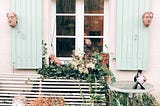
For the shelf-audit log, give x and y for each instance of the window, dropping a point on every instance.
(78, 20)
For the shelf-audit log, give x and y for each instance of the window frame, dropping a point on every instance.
(79, 24)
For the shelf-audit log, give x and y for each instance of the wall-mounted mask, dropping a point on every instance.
(147, 18)
(12, 19)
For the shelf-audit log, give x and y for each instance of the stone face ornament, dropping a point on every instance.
(147, 18)
(12, 19)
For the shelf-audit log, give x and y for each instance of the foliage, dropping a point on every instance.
(94, 73)
(82, 63)
(81, 68)
(75, 68)
(120, 99)
(146, 100)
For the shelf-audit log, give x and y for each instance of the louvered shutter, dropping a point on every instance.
(26, 36)
(131, 35)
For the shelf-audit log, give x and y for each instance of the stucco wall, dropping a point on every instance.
(152, 73)
(5, 50)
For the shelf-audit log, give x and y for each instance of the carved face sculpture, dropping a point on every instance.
(147, 18)
(12, 19)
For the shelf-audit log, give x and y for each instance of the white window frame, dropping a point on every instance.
(79, 16)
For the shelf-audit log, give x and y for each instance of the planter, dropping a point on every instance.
(107, 79)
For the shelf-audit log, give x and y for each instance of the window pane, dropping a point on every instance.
(94, 6)
(65, 26)
(65, 46)
(93, 25)
(93, 28)
(93, 44)
(65, 6)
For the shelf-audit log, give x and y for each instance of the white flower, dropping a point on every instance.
(90, 65)
(74, 64)
(83, 70)
(81, 63)
(86, 70)
(80, 69)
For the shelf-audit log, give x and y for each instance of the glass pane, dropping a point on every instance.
(65, 6)
(93, 25)
(65, 46)
(65, 26)
(93, 44)
(94, 6)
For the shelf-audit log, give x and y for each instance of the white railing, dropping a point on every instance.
(74, 92)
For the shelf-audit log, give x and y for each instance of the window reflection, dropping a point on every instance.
(94, 6)
(93, 25)
(65, 6)
(93, 44)
(65, 46)
(93, 28)
(65, 25)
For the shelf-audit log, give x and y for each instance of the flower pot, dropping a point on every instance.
(107, 79)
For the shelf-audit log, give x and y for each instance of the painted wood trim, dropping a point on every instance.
(131, 35)
(26, 37)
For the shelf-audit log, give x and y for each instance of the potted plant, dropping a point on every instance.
(82, 68)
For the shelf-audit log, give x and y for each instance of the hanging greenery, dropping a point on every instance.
(80, 68)
(91, 70)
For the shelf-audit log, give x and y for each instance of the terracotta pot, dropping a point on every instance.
(107, 79)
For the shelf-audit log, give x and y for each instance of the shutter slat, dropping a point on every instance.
(119, 33)
(130, 34)
(135, 34)
(23, 39)
(125, 34)
(29, 34)
(39, 33)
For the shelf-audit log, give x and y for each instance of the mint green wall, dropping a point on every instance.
(131, 35)
(26, 36)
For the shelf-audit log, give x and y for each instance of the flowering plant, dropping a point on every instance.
(82, 63)
(90, 68)
(81, 67)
